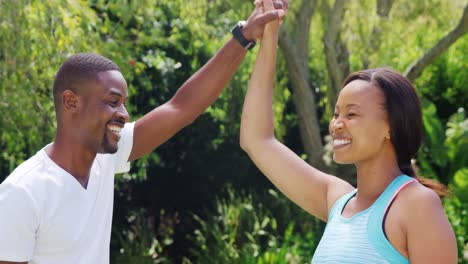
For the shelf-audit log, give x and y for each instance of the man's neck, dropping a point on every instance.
(74, 159)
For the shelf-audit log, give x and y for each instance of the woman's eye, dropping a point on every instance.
(351, 114)
(335, 115)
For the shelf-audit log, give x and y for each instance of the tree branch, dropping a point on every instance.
(303, 26)
(304, 101)
(384, 7)
(383, 10)
(417, 67)
(336, 53)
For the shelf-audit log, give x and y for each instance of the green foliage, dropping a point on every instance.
(457, 210)
(457, 204)
(138, 244)
(457, 141)
(243, 230)
(433, 152)
(460, 184)
(159, 44)
(36, 36)
(444, 82)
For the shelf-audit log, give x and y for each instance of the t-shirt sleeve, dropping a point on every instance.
(125, 148)
(18, 224)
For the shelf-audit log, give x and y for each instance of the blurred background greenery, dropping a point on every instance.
(198, 198)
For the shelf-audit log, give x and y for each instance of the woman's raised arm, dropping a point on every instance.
(300, 182)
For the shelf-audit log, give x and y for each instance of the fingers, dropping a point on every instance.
(285, 5)
(278, 5)
(272, 4)
(272, 15)
(265, 11)
(269, 4)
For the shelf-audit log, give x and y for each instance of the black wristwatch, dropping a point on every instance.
(237, 33)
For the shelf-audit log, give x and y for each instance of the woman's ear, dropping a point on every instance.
(387, 135)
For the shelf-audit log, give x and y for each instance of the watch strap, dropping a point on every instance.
(239, 36)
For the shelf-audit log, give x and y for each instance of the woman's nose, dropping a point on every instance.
(336, 126)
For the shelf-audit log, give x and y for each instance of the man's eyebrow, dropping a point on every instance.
(115, 93)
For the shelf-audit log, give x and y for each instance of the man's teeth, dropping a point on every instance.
(339, 142)
(115, 129)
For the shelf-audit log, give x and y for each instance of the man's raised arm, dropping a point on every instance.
(202, 89)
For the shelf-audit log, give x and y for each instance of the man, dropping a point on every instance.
(56, 207)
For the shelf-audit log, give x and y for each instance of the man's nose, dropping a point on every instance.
(123, 113)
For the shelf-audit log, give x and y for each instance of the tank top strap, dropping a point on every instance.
(375, 226)
(340, 203)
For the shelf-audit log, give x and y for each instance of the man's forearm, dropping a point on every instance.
(202, 89)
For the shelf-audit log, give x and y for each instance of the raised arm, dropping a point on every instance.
(303, 184)
(200, 90)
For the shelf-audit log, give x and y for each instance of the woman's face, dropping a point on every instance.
(359, 127)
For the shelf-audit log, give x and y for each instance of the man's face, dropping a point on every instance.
(104, 114)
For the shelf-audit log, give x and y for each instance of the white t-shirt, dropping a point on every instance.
(47, 217)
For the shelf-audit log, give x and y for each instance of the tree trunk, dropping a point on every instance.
(383, 10)
(336, 52)
(296, 57)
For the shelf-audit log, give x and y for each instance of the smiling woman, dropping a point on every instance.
(398, 102)
(359, 123)
(391, 217)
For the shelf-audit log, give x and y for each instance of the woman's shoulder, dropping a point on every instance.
(426, 228)
(418, 205)
(417, 196)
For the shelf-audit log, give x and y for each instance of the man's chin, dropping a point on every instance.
(108, 149)
(108, 146)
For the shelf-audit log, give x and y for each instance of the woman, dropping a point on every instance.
(391, 217)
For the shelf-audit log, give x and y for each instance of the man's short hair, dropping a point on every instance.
(77, 70)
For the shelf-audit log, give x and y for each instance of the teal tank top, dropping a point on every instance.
(360, 238)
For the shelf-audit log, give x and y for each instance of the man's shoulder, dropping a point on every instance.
(37, 172)
(16, 188)
(26, 169)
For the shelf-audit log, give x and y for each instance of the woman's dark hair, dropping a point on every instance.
(404, 115)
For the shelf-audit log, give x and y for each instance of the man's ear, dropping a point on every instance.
(70, 101)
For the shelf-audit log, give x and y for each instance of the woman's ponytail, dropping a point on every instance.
(410, 169)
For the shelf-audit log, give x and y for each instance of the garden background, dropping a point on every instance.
(198, 198)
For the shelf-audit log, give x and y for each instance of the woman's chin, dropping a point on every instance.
(341, 160)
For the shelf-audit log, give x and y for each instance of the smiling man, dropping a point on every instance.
(56, 207)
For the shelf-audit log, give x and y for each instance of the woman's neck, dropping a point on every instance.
(374, 176)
